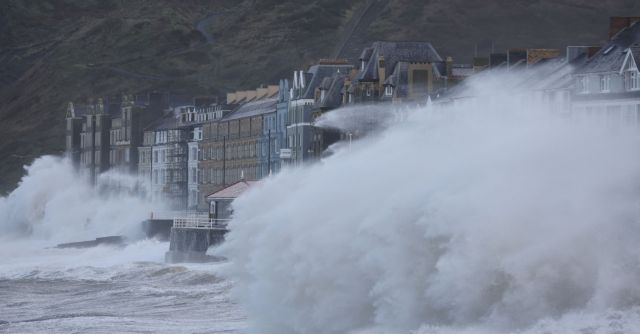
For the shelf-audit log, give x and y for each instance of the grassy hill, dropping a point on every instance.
(54, 51)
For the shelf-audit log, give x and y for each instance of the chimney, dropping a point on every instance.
(231, 98)
(617, 23)
(449, 66)
(573, 52)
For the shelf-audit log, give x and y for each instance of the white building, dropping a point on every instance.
(192, 166)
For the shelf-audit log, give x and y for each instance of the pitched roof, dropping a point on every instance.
(333, 91)
(394, 52)
(316, 74)
(635, 52)
(232, 191)
(610, 57)
(168, 121)
(253, 108)
(399, 79)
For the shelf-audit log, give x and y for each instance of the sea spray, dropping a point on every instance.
(56, 204)
(487, 216)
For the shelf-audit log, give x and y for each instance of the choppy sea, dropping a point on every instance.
(111, 290)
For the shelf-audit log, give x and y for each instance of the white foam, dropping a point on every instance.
(485, 217)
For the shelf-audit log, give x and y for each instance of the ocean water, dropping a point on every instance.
(106, 289)
(111, 290)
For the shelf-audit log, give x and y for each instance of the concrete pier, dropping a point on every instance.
(157, 228)
(191, 238)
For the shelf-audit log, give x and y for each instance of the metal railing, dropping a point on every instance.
(200, 223)
(177, 213)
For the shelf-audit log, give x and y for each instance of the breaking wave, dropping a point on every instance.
(490, 216)
(54, 203)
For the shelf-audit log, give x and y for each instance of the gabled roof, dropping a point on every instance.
(333, 91)
(232, 191)
(399, 79)
(316, 74)
(633, 54)
(611, 56)
(366, 54)
(394, 52)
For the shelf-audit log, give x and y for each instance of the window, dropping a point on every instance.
(605, 83)
(633, 80)
(388, 90)
(583, 84)
(368, 91)
(155, 156)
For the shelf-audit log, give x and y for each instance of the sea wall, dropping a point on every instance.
(190, 245)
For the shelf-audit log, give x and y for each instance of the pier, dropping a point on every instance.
(191, 237)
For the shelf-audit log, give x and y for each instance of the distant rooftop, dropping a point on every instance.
(232, 191)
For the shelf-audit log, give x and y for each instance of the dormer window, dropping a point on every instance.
(362, 65)
(631, 73)
(388, 91)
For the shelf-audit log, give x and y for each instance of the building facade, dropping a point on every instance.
(107, 133)
(607, 86)
(302, 107)
(397, 72)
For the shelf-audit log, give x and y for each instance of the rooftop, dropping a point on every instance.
(253, 108)
(611, 56)
(394, 52)
(232, 191)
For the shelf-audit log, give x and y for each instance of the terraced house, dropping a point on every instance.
(607, 86)
(229, 147)
(303, 97)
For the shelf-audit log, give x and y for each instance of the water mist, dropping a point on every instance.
(487, 216)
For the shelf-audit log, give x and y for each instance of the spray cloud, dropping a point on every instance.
(487, 216)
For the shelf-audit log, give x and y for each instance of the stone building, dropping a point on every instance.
(193, 166)
(169, 157)
(230, 145)
(302, 106)
(107, 133)
(88, 136)
(398, 72)
(273, 134)
(169, 163)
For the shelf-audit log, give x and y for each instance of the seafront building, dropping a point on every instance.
(607, 86)
(302, 105)
(230, 144)
(107, 132)
(187, 151)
